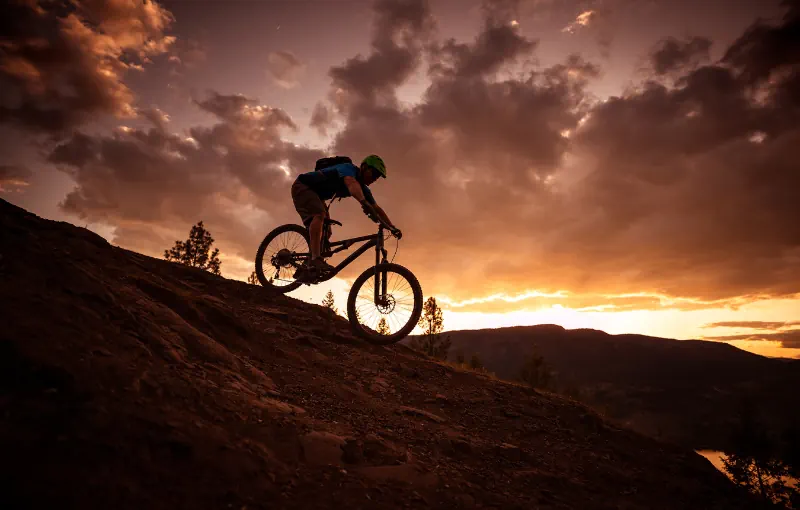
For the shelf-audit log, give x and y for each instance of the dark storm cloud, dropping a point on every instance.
(239, 110)
(695, 186)
(229, 174)
(688, 189)
(492, 120)
(401, 29)
(496, 46)
(673, 54)
(61, 63)
(766, 60)
(468, 164)
(766, 48)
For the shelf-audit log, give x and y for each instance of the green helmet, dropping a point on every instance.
(375, 162)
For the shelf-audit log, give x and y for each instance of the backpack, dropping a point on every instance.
(332, 161)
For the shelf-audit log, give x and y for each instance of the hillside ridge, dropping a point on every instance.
(132, 382)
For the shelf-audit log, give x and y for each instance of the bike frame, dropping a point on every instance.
(328, 249)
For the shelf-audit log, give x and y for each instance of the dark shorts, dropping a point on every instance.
(306, 202)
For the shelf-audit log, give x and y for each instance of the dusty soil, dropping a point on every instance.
(131, 382)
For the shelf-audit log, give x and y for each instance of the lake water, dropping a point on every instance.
(714, 457)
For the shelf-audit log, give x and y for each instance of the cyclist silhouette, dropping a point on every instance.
(339, 180)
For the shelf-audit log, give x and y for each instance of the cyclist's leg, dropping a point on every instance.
(312, 211)
(315, 234)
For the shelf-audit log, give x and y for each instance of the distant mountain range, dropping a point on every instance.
(686, 391)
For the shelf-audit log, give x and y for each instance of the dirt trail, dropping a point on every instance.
(131, 382)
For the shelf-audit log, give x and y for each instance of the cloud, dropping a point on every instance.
(188, 54)
(402, 27)
(534, 300)
(672, 54)
(260, 122)
(501, 12)
(753, 324)
(63, 64)
(469, 164)
(285, 68)
(596, 19)
(157, 117)
(152, 184)
(321, 119)
(584, 19)
(506, 177)
(14, 178)
(528, 183)
(495, 47)
(789, 339)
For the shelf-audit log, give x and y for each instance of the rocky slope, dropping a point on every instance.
(131, 382)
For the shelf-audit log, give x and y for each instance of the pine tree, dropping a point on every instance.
(194, 251)
(432, 342)
(328, 302)
(383, 327)
(535, 371)
(253, 279)
(475, 362)
(756, 463)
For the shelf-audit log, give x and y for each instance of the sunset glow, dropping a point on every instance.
(627, 167)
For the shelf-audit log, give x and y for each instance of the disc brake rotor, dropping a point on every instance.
(386, 304)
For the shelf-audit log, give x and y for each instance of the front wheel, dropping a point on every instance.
(283, 250)
(384, 304)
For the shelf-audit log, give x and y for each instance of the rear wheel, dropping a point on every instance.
(283, 250)
(389, 315)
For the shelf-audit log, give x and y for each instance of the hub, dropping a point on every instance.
(283, 258)
(386, 304)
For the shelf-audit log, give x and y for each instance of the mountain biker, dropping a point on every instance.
(340, 180)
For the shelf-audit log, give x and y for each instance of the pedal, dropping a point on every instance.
(308, 277)
(301, 274)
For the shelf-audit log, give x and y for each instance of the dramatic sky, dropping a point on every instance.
(626, 165)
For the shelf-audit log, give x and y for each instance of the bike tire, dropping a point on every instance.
(373, 336)
(260, 256)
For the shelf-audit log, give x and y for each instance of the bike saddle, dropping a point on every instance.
(332, 222)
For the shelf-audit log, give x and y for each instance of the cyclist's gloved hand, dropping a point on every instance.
(396, 232)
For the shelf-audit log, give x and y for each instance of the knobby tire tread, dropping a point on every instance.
(375, 337)
(263, 247)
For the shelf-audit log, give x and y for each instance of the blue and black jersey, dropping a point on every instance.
(329, 182)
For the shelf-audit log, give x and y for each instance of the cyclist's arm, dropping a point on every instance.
(354, 188)
(383, 215)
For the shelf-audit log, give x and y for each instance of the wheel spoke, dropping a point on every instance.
(397, 309)
(289, 247)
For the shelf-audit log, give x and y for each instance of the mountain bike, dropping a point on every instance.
(385, 301)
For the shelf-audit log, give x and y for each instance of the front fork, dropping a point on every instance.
(380, 276)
